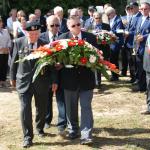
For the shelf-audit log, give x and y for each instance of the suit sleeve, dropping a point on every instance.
(14, 65)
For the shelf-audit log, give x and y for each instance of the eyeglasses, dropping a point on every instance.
(56, 25)
(144, 9)
(78, 24)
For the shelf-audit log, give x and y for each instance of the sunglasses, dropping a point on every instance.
(97, 18)
(78, 24)
(56, 25)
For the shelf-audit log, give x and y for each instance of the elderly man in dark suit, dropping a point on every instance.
(78, 82)
(116, 26)
(51, 35)
(128, 51)
(58, 12)
(146, 66)
(142, 31)
(21, 74)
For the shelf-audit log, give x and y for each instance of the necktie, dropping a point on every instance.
(76, 37)
(53, 38)
(31, 45)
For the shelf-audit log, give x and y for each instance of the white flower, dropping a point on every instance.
(64, 43)
(92, 59)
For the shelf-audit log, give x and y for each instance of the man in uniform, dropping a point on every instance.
(21, 74)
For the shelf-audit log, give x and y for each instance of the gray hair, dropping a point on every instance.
(58, 9)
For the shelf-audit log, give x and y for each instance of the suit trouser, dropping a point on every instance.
(128, 59)
(114, 58)
(148, 90)
(71, 99)
(62, 121)
(140, 73)
(26, 110)
(3, 66)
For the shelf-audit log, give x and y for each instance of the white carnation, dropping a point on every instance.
(92, 59)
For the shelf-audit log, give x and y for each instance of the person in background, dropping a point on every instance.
(21, 75)
(51, 35)
(40, 19)
(10, 20)
(115, 25)
(58, 12)
(32, 18)
(142, 31)
(89, 21)
(5, 45)
(128, 54)
(21, 29)
(146, 66)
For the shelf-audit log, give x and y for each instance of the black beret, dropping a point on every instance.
(134, 4)
(32, 26)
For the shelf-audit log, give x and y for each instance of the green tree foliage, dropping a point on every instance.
(29, 5)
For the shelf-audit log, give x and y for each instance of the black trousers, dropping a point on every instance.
(3, 66)
(140, 73)
(114, 58)
(128, 60)
(41, 98)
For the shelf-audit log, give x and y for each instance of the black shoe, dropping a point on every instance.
(114, 79)
(86, 141)
(72, 136)
(41, 133)
(27, 144)
(46, 126)
(145, 112)
(135, 82)
(137, 89)
(124, 74)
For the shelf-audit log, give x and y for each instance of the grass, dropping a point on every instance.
(118, 124)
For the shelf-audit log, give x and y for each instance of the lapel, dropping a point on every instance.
(144, 24)
(47, 36)
(114, 22)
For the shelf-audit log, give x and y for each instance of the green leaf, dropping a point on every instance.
(38, 69)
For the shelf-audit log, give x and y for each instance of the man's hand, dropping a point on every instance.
(54, 87)
(58, 66)
(13, 83)
(139, 38)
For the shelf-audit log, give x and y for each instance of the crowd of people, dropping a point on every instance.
(20, 35)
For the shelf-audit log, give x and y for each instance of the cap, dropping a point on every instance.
(32, 26)
(128, 6)
(133, 4)
(91, 8)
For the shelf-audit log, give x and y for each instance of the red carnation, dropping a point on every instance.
(71, 43)
(81, 42)
(49, 52)
(103, 42)
(59, 47)
(83, 60)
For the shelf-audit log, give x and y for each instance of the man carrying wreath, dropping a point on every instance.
(21, 75)
(78, 83)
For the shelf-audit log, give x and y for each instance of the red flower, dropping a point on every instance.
(81, 42)
(59, 47)
(103, 42)
(54, 43)
(83, 60)
(71, 43)
(49, 52)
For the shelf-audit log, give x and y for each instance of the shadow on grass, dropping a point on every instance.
(7, 89)
(122, 132)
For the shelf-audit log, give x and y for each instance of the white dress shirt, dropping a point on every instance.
(5, 41)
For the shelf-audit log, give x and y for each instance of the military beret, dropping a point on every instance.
(32, 26)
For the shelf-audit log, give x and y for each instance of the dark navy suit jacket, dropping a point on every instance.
(143, 30)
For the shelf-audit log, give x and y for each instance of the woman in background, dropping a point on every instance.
(5, 44)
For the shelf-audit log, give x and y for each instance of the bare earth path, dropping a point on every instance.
(118, 122)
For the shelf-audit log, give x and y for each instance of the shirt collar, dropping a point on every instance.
(79, 36)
